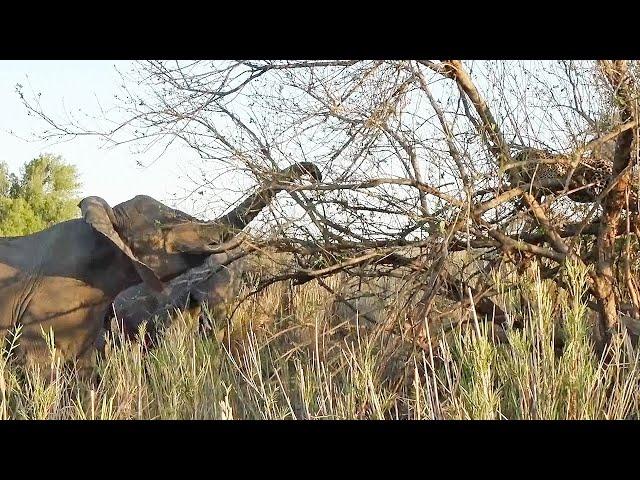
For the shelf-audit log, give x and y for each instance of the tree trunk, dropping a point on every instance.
(604, 281)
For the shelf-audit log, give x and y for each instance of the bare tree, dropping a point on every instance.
(504, 161)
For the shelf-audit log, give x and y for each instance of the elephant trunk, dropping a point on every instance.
(229, 224)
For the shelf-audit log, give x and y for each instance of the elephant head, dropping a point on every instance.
(160, 242)
(166, 242)
(137, 303)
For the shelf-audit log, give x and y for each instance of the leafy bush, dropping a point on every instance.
(44, 194)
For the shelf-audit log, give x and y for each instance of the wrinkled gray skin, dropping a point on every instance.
(65, 277)
(197, 286)
(215, 284)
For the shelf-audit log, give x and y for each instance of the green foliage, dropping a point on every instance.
(5, 180)
(44, 194)
(18, 218)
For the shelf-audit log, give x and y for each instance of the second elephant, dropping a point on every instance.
(214, 284)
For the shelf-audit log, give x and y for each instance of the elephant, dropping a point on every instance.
(64, 279)
(214, 283)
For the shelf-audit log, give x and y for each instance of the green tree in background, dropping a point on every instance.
(5, 180)
(44, 194)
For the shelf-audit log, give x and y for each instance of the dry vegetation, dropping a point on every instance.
(435, 272)
(290, 353)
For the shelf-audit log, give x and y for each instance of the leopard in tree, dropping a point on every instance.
(549, 172)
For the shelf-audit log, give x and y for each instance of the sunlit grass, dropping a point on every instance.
(286, 355)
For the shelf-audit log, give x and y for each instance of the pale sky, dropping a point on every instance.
(109, 173)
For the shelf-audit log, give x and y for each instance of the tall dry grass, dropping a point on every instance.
(289, 355)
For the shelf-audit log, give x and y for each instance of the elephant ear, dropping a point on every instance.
(97, 213)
